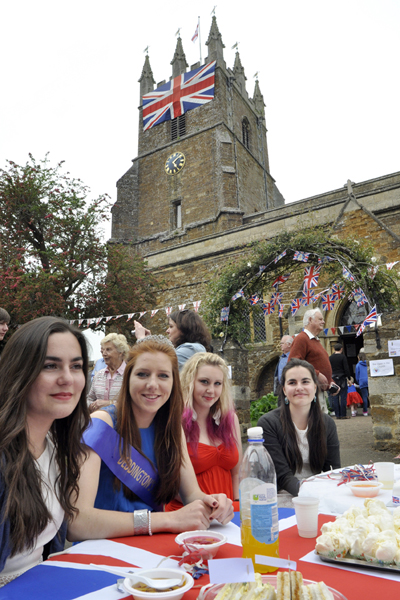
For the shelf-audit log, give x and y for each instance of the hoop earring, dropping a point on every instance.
(194, 415)
(217, 416)
(286, 400)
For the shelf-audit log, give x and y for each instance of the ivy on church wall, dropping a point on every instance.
(357, 255)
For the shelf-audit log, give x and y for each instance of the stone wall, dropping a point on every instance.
(384, 392)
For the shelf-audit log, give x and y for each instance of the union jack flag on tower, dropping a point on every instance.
(183, 93)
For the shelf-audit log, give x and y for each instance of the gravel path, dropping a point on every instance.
(357, 442)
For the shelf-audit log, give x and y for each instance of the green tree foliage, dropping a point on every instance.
(320, 241)
(52, 257)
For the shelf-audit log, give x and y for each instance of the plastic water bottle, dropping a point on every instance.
(258, 502)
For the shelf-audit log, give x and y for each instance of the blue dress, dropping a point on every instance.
(108, 498)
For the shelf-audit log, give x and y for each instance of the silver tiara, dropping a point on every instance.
(161, 339)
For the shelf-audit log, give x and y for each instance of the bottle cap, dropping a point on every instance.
(255, 433)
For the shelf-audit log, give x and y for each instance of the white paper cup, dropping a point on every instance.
(385, 472)
(306, 509)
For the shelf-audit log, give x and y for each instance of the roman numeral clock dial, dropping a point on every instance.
(175, 163)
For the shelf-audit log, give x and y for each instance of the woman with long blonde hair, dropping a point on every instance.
(211, 425)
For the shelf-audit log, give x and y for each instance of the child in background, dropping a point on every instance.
(353, 397)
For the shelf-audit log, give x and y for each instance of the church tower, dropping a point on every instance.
(202, 172)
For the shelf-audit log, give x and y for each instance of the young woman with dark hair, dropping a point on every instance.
(43, 413)
(152, 465)
(301, 440)
(187, 332)
(211, 426)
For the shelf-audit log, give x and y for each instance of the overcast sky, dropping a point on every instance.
(328, 70)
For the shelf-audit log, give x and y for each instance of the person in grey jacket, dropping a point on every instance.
(301, 440)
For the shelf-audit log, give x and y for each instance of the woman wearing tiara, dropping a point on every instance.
(211, 425)
(138, 459)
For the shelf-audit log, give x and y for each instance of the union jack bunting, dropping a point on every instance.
(196, 305)
(372, 271)
(268, 308)
(317, 296)
(281, 255)
(168, 310)
(261, 268)
(295, 305)
(154, 312)
(301, 256)
(280, 313)
(280, 279)
(347, 274)
(254, 299)
(390, 266)
(238, 294)
(276, 298)
(338, 291)
(328, 302)
(324, 259)
(308, 296)
(225, 313)
(311, 275)
(369, 320)
(183, 93)
(359, 297)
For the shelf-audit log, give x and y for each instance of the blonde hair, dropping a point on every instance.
(119, 341)
(188, 376)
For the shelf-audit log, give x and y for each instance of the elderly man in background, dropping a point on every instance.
(307, 346)
(107, 382)
(286, 343)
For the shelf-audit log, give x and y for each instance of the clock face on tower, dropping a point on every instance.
(175, 163)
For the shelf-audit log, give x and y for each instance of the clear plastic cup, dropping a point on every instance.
(385, 472)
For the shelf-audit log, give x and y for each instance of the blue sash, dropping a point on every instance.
(138, 474)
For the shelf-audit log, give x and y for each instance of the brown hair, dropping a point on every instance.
(4, 316)
(316, 434)
(22, 504)
(192, 328)
(168, 427)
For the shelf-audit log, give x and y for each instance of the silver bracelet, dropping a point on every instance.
(150, 532)
(140, 522)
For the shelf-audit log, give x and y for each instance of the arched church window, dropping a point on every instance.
(354, 314)
(178, 127)
(246, 132)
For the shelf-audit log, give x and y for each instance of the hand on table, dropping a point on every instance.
(223, 510)
(193, 516)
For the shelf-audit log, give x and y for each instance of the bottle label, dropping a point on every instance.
(264, 513)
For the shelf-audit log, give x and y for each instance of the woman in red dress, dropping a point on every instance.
(211, 425)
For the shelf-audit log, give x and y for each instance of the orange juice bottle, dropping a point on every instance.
(258, 502)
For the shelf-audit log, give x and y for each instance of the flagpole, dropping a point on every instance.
(198, 24)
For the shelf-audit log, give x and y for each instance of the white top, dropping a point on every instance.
(48, 469)
(305, 453)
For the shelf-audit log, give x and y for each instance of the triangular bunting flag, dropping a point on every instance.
(225, 313)
(142, 313)
(154, 312)
(168, 310)
(182, 306)
(196, 305)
